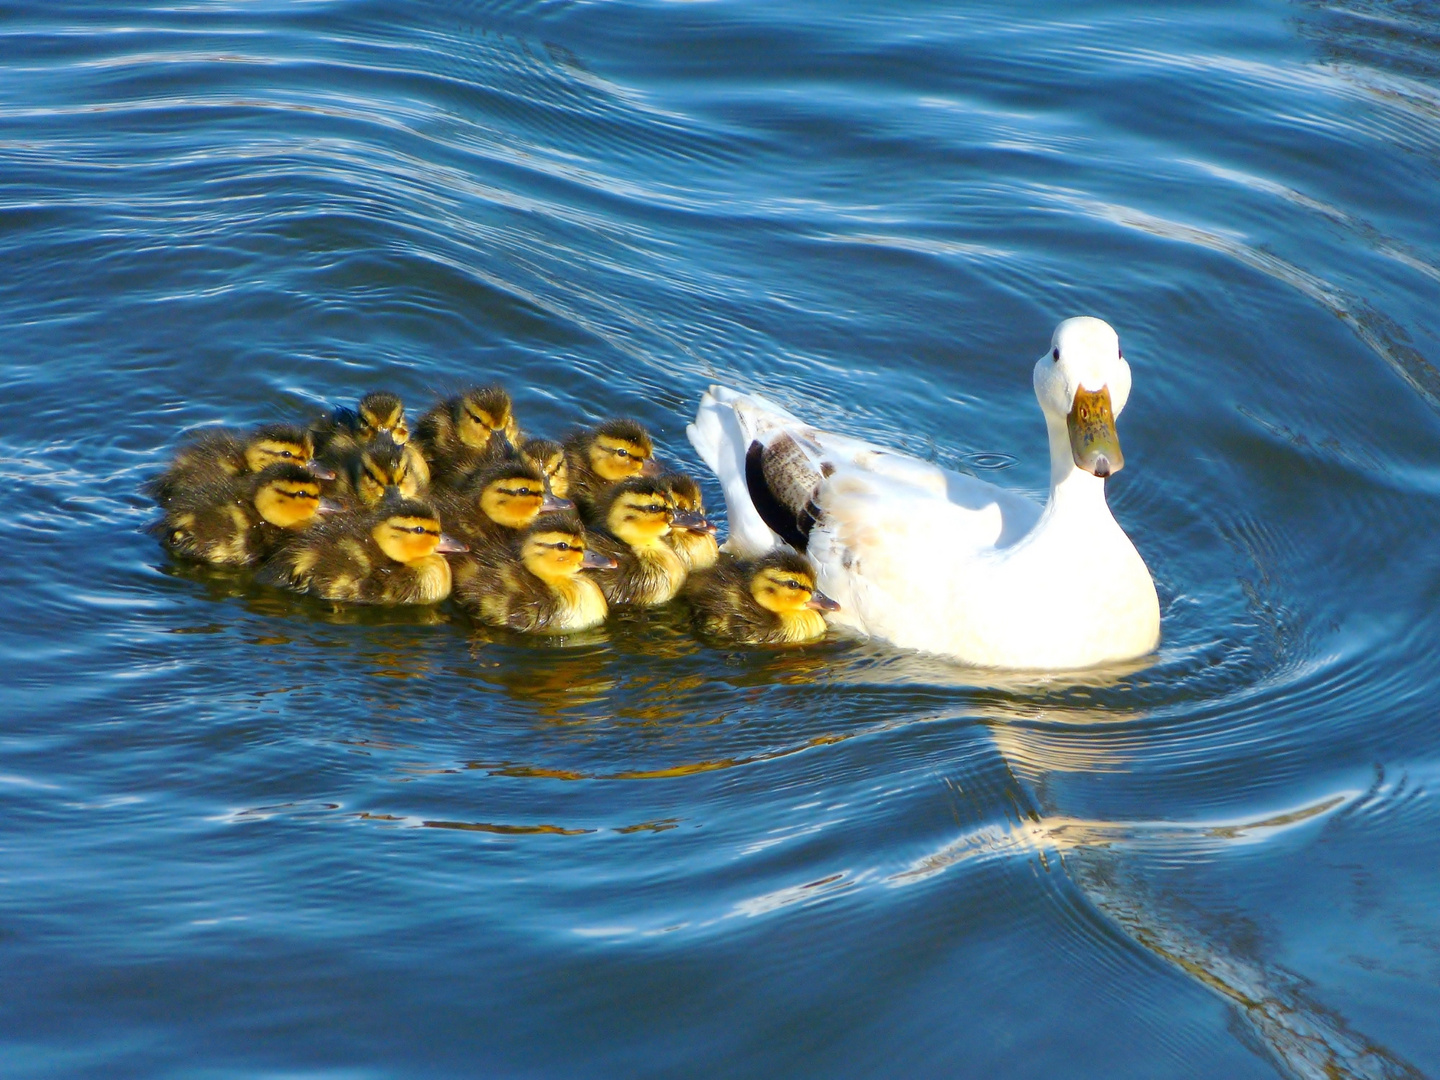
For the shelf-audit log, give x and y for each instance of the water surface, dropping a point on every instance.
(249, 835)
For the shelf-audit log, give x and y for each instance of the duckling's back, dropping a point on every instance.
(214, 520)
(204, 459)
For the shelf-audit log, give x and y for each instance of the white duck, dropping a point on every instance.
(942, 562)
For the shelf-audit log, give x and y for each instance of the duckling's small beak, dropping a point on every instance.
(450, 545)
(820, 602)
(554, 502)
(320, 472)
(693, 520)
(650, 468)
(329, 506)
(593, 560)
(1093, 442)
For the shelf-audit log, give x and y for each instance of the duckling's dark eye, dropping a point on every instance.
(419, 530)
(1055, 353)
(562, 546)
(286, 454)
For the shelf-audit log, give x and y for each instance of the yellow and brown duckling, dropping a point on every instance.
(394, 554)
(366, 473)
(341, 437)
(637, 517)
(603, 456)
(490, 511)
(238, 521)
(549, 457)
(767, 601)
(540, 587)
(218, 454)
(377, 412)
(467, 432)
(693, 536)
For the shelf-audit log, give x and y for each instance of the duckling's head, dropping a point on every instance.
(275, 444)
(485, 418)
(512, 494)
(1082, 383)
(549, 458)
(382, 464)
(287, 495)
(784, 582)
(408, 530)
(619, 449)
(383, 412)
(553, 548)
(685, 492)
(638, 511)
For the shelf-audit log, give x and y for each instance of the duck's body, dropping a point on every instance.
(394, 555)
(215, 455)
(240, 520)
(693, 537)
(767, 601)
(601, 457)
(942, 562)
(466, 433)
(539, 586)
(637, 517)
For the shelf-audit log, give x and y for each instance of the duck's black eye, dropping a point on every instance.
(419, 530)
(1055, 353)
(562, 546)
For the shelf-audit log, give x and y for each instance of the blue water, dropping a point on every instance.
(248, 835)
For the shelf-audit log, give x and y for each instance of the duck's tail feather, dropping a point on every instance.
(726, 424)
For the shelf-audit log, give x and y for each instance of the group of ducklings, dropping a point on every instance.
(540, 537)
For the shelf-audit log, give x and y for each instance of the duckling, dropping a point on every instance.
(217, 454)
(538, 588)
(549, 457)
(491, 510)
(340, 437)
(637, 518)
(237, 521)
(467, 432)
(605, 455)
(391, 555)
(767, 601)
(693, 536)
(367, 472)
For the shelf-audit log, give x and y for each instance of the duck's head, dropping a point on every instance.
(638, 511)
(485, 418)
(382, 465)
(553, 548)
(382, 412)
(688, 503)
(620, 449)
(1083, 382)
(513, 493)
(549, 458)
(408, 530)
(281, 444)
(288, 495)
(784, 582)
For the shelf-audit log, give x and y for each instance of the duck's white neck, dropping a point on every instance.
(1072, 489)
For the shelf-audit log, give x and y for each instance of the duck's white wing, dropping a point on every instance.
(770, 461)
